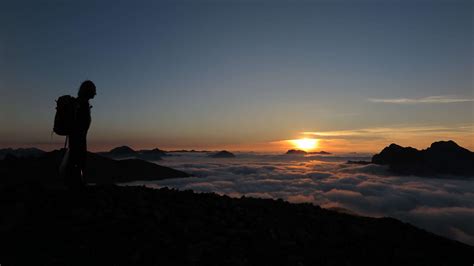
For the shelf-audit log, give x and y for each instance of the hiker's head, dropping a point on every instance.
(87, 90)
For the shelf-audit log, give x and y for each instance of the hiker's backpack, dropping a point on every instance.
(65, 115)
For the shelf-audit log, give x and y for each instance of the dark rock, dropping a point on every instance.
(222, 154)
(110, 225)
(395, 154)
(442, 157)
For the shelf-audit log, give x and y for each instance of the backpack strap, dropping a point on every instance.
(66, 142)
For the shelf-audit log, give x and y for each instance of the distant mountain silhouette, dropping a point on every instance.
(202, 151)
(120, 152)
(302, 152)
(111, 225)
(296, 152)
(319, 152)
(442, 157)
(125, 152)
(151, 155)
(358, 162)
(21, 152)
(222, 154)
(102, 170)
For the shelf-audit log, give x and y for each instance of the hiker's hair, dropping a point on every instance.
(86, 88)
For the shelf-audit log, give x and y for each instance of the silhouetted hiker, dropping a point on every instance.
(73, 119)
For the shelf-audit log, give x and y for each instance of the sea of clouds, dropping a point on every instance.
(440, 204)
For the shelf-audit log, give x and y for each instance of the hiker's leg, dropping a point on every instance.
(74, 171)
(82, 157)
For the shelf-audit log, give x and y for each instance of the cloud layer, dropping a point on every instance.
(430, 99)
(439, 204)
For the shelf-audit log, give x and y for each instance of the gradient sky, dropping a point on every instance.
(241, 75)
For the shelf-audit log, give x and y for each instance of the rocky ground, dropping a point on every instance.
(112, 225)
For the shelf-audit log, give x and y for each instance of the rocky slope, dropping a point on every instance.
(109, 225)
(101, 170)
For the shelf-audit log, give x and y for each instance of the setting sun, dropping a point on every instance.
(305, 144)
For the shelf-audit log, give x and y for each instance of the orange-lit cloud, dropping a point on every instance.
(374, 139)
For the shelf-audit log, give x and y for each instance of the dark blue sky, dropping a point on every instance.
(230, 73)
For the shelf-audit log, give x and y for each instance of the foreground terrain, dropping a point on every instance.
(113, 225)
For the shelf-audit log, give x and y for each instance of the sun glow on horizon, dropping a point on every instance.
(305, 144)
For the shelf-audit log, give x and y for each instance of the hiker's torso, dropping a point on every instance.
(83, 116)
